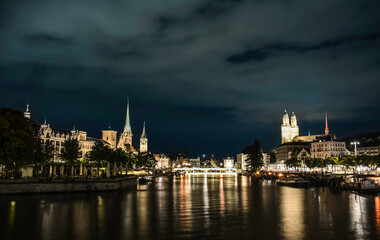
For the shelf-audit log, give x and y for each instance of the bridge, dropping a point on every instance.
(198, 170)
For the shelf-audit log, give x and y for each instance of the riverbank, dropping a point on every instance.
(35, 185)
(363, 183)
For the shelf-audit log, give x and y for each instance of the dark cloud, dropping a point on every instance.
(43, 38)
(185, 65)
(217, 7)
(269, 50)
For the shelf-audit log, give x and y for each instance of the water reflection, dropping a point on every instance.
(358, 220)
(377, 214)
(195, 207)
(292, 213)
(221, 193)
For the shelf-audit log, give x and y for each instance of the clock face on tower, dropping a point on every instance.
(143, 142)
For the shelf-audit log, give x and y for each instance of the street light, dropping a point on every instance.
(355, 143)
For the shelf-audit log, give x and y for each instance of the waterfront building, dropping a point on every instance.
(369, 150)
(266, 160)
(57, 138)
(109, 137)
(228, 162)
(328, 148)
(185, 162)
(162, 160)
(195, 162)
(304, 154)
(284, 151)
(241, 166)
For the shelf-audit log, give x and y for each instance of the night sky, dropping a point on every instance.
(206, 76)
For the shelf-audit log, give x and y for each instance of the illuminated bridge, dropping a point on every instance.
(213, 170)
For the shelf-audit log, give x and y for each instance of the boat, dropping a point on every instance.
(145, 179)
(293, 182)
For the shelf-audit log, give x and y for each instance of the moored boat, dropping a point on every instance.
(293, 182)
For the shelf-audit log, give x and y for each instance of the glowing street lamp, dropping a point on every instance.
(355, 143)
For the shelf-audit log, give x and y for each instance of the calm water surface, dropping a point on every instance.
(196, 207)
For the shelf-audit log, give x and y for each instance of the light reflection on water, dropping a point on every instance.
(292, 213)
(195, 207)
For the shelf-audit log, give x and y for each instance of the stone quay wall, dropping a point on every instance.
(66, 185)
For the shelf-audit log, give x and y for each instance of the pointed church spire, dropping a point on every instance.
(327, 127)
(127, 127)
(27, 113)
(143, 135)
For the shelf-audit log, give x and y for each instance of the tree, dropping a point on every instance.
(315, 163)
(70, 152)
(172, 157)
(293, 161)
(47, 152)
(332, 161)
(255, 157)
(273, 156)
(119, 156)
(376, 162)
(99, 154)
(44, 153)
(348, 161)
(18, 140)
(145, 160)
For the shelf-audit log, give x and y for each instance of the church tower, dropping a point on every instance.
(285, 129)
(143, 141)
(27, 113)
(326, 127)
(110, 137)
(125, 142)
(294, 126)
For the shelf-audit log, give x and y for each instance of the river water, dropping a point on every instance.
(196, 207)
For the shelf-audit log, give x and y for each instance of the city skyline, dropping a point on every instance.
(211, 75)
(128, 128)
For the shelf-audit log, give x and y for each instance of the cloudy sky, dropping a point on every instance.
(206, 76)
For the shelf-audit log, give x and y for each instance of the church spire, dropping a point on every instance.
(327, 127)
(27, 113)
(127, 127)
(143, 135)
(143, 141)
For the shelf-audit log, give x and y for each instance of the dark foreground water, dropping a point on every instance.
(196, 207)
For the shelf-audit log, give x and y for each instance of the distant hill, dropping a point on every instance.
(365, 140)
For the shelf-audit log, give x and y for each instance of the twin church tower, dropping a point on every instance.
(125, 140)
(290, 130)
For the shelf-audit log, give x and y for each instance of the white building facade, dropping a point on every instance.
(325, 149)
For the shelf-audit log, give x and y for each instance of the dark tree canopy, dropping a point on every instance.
(273, 156)
(18, 139)
(70, 152)
(255, 157)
